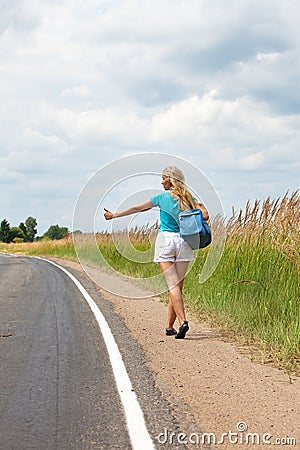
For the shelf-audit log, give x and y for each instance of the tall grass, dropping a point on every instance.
(254, 292)
(255, 289)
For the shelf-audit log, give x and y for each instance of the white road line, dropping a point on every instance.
(138, 433)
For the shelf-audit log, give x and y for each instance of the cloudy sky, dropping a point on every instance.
(83, 83)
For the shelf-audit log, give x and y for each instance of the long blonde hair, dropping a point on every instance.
(179, 189)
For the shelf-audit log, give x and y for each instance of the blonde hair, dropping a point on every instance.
(179, 189)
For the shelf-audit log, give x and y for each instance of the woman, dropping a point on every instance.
(172, 253)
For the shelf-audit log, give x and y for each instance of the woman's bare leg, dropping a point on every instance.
(171, 315)
(181, 269)
(174, 274)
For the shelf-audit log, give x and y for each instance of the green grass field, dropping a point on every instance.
(254, 292)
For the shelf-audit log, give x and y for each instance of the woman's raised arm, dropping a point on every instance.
(126, 212)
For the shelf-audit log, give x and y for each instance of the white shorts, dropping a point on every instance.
(170, 246)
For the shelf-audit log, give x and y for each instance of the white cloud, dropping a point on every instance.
(77, 91)
(103, 126)
(267, 57)
(252, 162)
(187, 118)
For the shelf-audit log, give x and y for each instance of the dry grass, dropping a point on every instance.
(279, 218)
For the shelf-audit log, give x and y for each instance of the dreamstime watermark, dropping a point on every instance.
(125, 182)
(241, 436)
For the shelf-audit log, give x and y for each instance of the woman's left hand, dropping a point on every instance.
(203, 209)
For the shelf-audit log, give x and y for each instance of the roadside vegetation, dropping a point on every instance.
(26, 232)
(254, 292)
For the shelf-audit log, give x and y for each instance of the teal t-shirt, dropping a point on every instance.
(169, 211)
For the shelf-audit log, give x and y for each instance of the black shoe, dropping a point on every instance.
(171, 332)
(182, 330)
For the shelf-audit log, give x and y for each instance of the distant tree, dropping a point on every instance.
(77, 232)
(16, 232)
(5, 231)
(22, 227)
(31, 230)
(56, 232)
(65, 231)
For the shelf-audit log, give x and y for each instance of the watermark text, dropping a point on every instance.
(241, 436)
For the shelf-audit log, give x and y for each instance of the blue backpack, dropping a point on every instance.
(194, 229)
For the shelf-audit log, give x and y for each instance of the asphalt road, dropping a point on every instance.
(57, 388)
